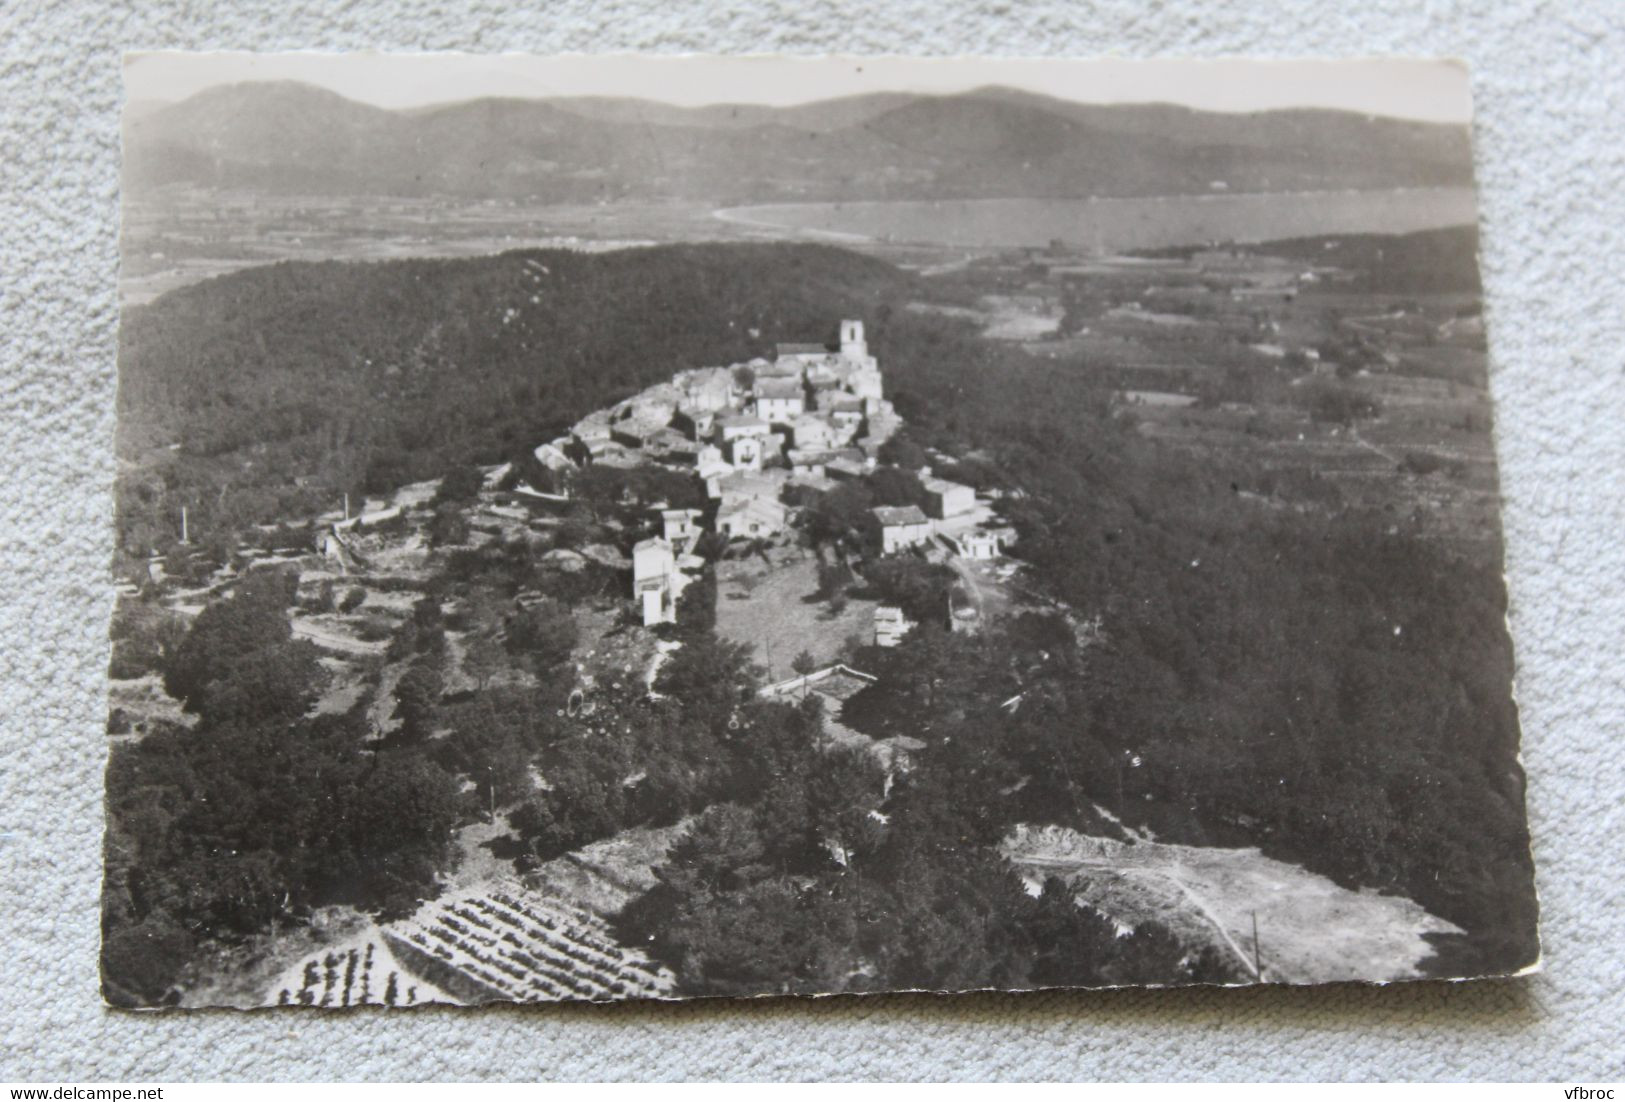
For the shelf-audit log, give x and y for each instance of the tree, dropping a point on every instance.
(833, 578)
(893, 486)
(141, 963)
(448, 527)
(918, 587)
(461, 484)
(401, 823)
(276, 682)
(585, 799)
(711, 679)
(902, 452)
(804, 663)
(483, 659)
(416, 694)
(545, 633)
(253, 619)
(840, 514)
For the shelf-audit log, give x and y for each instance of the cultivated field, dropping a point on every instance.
(500, 943)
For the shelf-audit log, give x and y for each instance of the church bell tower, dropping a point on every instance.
(852, 342)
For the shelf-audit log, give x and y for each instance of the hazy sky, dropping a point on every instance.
(1436, 90)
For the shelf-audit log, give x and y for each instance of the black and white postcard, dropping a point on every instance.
(626, 527)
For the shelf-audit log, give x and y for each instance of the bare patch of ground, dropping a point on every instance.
(144, 701)
(478, 862)
(1309, 930)
(604, 876)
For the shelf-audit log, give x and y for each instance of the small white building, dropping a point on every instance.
(592, 429)
(744, 453)
(696, 424)
(551, 455)
(846, 414)
(977, 545)
(811, 433)
(796, 357)
(845, 468)
(809, 462)
(901, 527)
(712, 469)
(678, 526)
(751, 518)
(778, 401)
(654, 581)
(946, 499)
(705, 389)
(732, 426)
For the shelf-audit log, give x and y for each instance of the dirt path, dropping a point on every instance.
(1354, 434)
(332, 639)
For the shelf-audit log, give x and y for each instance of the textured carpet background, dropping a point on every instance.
(1550, 97)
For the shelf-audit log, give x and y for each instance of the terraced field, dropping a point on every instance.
(503, 944)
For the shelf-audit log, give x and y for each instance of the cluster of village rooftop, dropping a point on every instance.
(814, 415)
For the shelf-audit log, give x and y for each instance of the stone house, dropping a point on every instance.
(901, 527)
(811, 433)
(731, 426)
(778, 401)
(751, 518)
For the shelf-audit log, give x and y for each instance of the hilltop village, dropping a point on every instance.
(491, 670)
(761, 432)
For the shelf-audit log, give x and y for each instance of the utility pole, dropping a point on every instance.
(346, 504)
(1258, 963)
(185, 535)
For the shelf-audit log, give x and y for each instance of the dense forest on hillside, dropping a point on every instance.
(1332, 686)
(270, 391)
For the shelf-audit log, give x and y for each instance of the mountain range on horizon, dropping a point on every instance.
(289, 138)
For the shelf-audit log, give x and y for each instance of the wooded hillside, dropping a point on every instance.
(272, 390)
